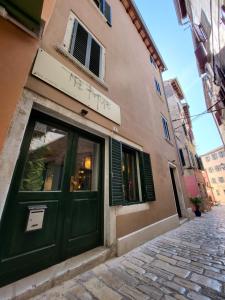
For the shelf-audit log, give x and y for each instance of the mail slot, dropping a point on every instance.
(35, 217)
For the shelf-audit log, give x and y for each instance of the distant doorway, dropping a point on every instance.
(172, 170)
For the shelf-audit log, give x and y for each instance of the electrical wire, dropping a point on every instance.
(196, 117)
(203, 113)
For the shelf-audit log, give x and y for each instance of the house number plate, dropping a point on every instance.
(36, 217)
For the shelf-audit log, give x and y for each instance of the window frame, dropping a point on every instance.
(166, 130)
(214, 156)
(129, 149)
(221, 179)
(101, 7)
(213, 180)
(158, 87)
(67, 41)
(182, 157)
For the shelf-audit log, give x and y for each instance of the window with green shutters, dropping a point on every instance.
(86, 49)
(131, 178)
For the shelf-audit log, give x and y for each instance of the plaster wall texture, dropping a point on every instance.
(208, 14)
(214, 164)
(17, 52)
(129, 82)
(191, 176)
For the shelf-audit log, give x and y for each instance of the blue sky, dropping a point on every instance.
(175, 45)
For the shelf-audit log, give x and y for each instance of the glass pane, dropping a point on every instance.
(86, 171)
(129, 168)
(44, 166)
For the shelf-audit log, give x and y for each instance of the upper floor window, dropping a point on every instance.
(213, 180)
(210, 170)
(192, 160)
(105, 8)
(182, 157)
(165, 128)
(221, 154)
(221, 179)
(153, 61)
(217, 168)
(214, 156)
(157, 86)
(207, 158)
(218, 192)
(184, 128)
(85, 48)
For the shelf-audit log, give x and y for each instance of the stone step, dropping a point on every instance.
(42, 281)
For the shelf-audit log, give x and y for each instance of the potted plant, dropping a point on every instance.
(196, 201)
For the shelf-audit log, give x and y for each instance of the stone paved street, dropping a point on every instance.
(186, 263)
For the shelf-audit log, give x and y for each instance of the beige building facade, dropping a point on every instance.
(207, 20)
(90, 159)
(214, 164)
(191, 165)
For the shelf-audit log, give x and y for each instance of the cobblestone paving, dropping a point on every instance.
(186, 263)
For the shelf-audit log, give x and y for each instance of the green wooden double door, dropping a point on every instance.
(54, 208)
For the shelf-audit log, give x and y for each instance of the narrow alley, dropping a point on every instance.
(185, 263)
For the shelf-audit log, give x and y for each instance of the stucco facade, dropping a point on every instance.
(208, 30)
(192, 172)
(129, 85)
(214, 164)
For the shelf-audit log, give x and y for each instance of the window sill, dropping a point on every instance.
(140, 206)
(64, 52)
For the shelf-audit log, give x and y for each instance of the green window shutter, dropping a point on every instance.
(148, 191)
(116, 180)
(108, 13)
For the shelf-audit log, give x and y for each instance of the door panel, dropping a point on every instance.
(57, 187)
(83, 226)
(22, 242)
(84, 219)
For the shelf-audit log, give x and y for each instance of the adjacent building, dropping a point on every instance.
(207, 19)
(89, 158)
(214, 164)
(192, 169)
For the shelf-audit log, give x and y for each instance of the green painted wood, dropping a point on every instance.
(148, 190)
(73, 221)
(26, 12)
(116, 180)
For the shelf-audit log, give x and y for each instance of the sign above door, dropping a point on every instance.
(48, 69)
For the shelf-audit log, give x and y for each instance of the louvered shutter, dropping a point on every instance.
(116, 180)
(79, 43)
(95, 57)
(108, 13)
(148, 191)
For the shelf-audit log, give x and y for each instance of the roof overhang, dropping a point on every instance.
(177, 88)
(142, 29)
(26, 12)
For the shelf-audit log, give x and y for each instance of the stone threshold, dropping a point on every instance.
(40, 282)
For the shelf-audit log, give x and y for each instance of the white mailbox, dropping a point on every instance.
(36, 217)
